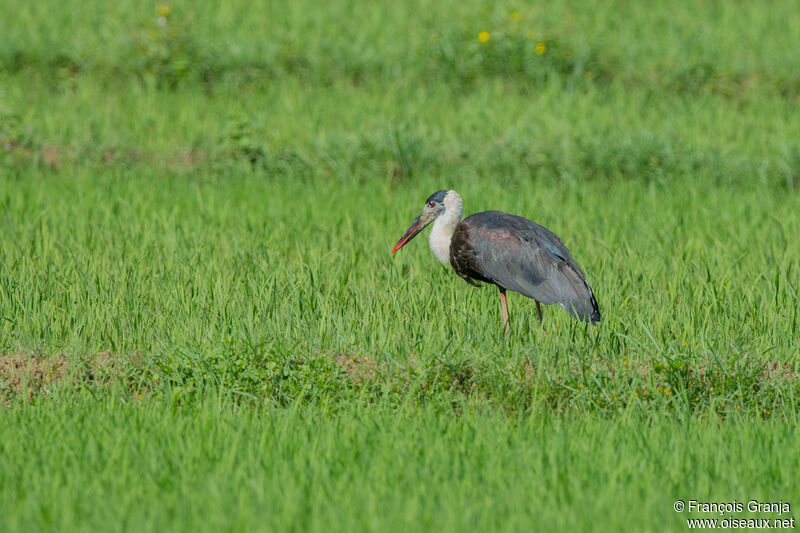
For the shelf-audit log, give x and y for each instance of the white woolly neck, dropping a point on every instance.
(445, 225)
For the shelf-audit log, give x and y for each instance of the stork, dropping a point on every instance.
(511, 252)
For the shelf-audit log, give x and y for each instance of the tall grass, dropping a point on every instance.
(81, 464)
(244, 282)
(201, 324)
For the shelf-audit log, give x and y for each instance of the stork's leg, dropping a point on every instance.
(504, 308)
(539, 312)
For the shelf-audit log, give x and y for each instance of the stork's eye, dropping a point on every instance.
(431, 204)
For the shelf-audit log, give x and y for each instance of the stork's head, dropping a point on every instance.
(434, 206)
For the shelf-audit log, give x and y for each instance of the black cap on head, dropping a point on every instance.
(437, 197)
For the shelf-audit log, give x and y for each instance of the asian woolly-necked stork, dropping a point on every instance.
(512, 252)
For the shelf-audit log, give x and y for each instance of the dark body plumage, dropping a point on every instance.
(519, 255)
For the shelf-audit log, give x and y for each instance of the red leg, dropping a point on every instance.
(504, 308)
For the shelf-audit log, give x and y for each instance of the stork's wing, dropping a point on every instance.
(522, 256)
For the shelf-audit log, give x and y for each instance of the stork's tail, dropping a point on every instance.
(594, 316)
(578, 299)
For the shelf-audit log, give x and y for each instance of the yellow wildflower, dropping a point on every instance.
(483, 36)
(515, 16)
(654, 159)
(530, 35)
(163, 10)
(541, 48)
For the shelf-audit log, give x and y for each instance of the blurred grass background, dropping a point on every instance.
(197, 200)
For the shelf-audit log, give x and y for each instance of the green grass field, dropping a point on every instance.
(201, 325)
